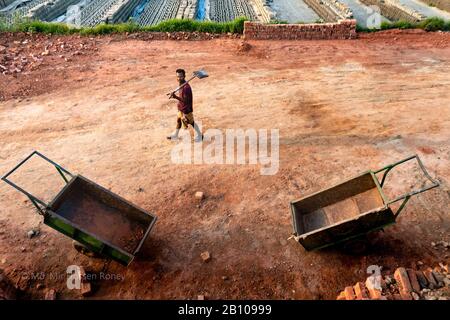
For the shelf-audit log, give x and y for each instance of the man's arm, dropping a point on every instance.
(173, 95)
(186, 94)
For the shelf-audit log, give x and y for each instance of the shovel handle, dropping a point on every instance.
(170, 93)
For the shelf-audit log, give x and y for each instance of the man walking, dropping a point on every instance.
(185, 110)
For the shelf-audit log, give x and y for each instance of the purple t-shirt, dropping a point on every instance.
(185, 106)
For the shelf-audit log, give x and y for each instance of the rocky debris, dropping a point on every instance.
(407, 284)
(35, 49)
(244, 47)
(441, 244)
(199, 195)
(206, 256)
(33, 233)
(7, 289)
(50, 294)
(31, 52)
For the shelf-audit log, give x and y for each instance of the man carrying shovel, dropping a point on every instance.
(185, 115)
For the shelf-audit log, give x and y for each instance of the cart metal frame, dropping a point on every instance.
(71, 229)
(376, 219)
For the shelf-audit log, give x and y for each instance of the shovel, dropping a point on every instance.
(196, 74)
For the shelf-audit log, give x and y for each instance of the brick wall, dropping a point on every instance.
(345, 29)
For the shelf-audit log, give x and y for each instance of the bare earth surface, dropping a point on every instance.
(342, 107)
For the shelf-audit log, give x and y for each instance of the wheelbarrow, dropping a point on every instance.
(348, 210)
(100, 220)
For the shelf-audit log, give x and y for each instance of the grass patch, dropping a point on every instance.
(275, 21)
(173, 25)
(435, 24)
(429, 24)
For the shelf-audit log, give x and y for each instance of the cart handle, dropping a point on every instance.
(36, 201)
(408, 195)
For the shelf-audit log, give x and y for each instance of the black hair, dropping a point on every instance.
(181, 71)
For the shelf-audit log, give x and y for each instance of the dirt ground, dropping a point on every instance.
(342, 107)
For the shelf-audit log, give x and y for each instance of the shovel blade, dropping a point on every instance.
(200, 74)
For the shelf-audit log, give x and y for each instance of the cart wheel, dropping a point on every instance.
(84, 250)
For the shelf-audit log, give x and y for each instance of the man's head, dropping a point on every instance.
(181, 75)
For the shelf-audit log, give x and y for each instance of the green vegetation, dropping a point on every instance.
(276, 21)
(429, 24)
(235, 26)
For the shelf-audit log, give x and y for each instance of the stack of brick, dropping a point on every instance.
(344, 29)
(407, 284)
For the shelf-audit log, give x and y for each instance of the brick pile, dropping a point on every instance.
(407, 284)
(344, 29)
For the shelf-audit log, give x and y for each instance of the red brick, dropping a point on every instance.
(413, 280)
(406, 295)
(401, 276)
(397, 296)
(50, 295)
(375, 294)
(360, 291)
(444, 267)
(432, 284)
(439, 277)
(349, 293)
(422, 279)
(341, 296)
(85, 288)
